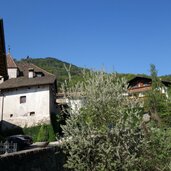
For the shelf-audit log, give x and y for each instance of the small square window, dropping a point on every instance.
(22, 99)
(39, 74)
(32, 113)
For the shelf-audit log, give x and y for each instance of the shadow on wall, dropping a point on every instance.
(8, 129)
(53, 121)
(57, 120)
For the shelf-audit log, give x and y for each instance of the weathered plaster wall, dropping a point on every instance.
(21, 114)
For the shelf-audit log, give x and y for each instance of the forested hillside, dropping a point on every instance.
(166, 77)
(58, 68)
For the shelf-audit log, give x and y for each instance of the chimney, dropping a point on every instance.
(30, 72)
(3, 61)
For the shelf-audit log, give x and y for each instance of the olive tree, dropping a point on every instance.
(106, 133)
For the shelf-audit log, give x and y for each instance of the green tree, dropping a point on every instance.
(105, 134)
(157, 102)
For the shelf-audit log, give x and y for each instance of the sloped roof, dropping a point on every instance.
(148, 79)
(25, 66)
(23, 81)
(10, 62)
(138, 78)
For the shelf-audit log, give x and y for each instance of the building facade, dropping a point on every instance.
(30, 98)
(138, 86)
(27, 92)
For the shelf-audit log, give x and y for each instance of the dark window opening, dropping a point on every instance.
(32, 113)
(11, 115)
(39, 74)
(22, 99)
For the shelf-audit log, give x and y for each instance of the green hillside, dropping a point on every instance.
(166, 77)
(57, 67)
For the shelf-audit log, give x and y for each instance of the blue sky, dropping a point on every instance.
(122, 35)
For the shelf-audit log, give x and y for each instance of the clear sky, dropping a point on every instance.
(122, 35)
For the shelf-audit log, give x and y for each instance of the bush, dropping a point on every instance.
(32, 131)
(38, 132)
(105, 134)
(43, 134)
(108, 134)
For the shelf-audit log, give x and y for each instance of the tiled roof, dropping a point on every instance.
(25, 66)
(23, 81)
(148, 79)
(10, 62)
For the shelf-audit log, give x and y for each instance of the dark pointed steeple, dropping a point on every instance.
(3, 62)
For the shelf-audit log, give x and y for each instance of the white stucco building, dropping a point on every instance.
(73, 104)
(28, 96)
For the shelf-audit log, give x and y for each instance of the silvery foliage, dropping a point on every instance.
(105, 134)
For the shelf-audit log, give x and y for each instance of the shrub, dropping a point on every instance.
(37, 132)
(43, 134)
(108, 134)
(105, 134)
(32, 131)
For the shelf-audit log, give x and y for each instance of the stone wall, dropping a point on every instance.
(35, 109)
(38, 159)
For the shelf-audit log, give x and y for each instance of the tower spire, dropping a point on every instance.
(9, 49)
(3, 61)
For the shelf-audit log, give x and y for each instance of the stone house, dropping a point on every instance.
(27, 92)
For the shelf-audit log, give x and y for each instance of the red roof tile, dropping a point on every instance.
(10, 62)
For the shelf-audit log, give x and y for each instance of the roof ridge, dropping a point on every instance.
(43, 69)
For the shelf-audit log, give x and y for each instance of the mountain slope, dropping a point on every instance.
(57, 68)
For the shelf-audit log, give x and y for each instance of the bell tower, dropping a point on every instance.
(3, 61)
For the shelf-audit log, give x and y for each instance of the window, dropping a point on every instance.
(11, 115)
(22, 99)
(32, 113)
(39, 74)
(146, 84)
